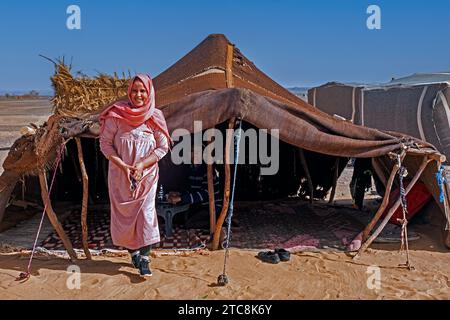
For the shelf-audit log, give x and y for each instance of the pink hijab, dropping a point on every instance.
(136, 116)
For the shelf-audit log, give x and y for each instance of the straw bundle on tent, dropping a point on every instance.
(80, 96)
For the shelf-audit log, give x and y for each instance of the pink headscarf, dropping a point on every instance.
(136, 116)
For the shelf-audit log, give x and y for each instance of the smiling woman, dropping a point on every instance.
(134, 138)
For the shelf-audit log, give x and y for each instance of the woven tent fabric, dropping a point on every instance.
(410, 105)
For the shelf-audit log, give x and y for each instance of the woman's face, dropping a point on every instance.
(139, 94)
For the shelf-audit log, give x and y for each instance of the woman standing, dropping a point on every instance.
(134, 137)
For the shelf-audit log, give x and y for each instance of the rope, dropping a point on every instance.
(237, 139)
(404, 233)
(26, 275)
(441, 180)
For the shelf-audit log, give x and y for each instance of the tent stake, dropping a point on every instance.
(380, 228)
(226, 196)
(53, 218)
(84, 204)
(308, 176)
(335, 178)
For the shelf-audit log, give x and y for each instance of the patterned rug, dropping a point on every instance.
(289, 224)
(99, 236)
(293, 225)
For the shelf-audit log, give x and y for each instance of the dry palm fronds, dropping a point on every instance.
(81, 96)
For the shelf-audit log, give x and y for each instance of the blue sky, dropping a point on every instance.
(297, 43)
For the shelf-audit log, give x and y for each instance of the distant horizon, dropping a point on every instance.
(297, 43)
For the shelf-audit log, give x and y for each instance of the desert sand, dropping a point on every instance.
(193, 275)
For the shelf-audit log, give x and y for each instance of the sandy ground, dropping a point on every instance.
(307, 275)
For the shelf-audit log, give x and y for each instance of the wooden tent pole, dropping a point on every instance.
(231, 124)
(226, 196)
(53, 218)
(212, 204)
(308, 176)
(335, 178)
(84, 204)
(383, 205)
(380, 228)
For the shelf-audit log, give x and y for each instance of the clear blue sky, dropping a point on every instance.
(297, 43)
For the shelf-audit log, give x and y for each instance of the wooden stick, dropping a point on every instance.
(308, 176)
(53, 218)
(84, 204)
(383, 205)
(335, 178)
(379, 172)
(380, 228)
(212, 205)
(226, 196)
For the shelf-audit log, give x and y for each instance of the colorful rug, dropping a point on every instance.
(293, 225)
(288, 224)
(99, 236)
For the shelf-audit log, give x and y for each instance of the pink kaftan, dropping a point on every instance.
(134, 222)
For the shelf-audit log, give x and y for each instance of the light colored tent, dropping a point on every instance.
(417, 105)
(217, 84)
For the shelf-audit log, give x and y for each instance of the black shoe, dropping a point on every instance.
(144, 269)
(283, 254)
(136, 260)
(269, 257)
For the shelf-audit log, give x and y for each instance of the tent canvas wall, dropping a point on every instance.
(216, 84)
(417, 105)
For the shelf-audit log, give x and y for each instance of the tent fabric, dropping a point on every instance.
(305, 127)
(204, 68)
(419, 110)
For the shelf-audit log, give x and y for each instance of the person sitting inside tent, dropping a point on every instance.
(361, 181)
(197, 193)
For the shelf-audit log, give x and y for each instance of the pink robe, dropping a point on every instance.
(134, 222)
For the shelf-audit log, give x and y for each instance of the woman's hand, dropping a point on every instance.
(138, 171)
(127, 169)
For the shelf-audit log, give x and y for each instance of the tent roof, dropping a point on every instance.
(204, 68)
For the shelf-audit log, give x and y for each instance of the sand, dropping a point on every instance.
(305, 276)
(325, 275)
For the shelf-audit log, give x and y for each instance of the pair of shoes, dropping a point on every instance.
(144, 269)
(269, 257)
(136, 260)
(275, 256)
(283, 254)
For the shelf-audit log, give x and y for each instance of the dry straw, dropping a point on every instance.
(81, 96)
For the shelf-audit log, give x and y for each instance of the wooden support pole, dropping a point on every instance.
(212, 201)
(380, 228)
(84, 203)
(308, 175)
(335, 178)
(379, 171)
(53, 218)
(226, 196)
(383, 205)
